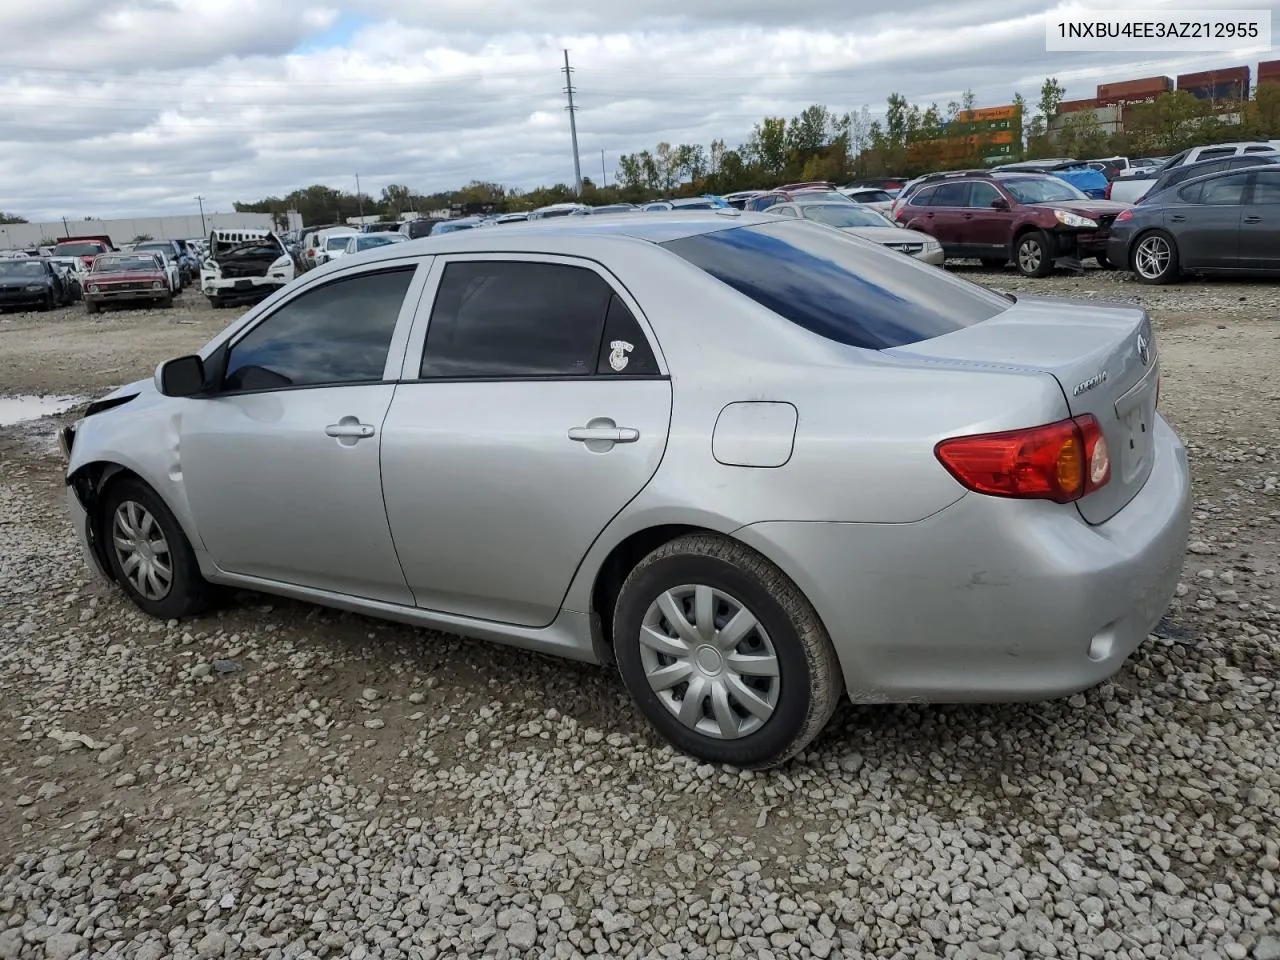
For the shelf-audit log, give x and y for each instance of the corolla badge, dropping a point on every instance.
(1098, 378)
(1144, 350)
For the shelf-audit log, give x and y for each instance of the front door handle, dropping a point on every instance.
(1177, 218)
(349, 430)
(1252, 219)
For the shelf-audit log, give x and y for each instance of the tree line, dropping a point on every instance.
(822, 144)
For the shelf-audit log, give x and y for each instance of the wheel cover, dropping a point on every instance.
(710, 661)
(142, 550)
(1152, 257)
(1029, 254)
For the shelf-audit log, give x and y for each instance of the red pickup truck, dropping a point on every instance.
(86, 248)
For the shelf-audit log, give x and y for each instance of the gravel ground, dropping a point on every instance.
(278, 780)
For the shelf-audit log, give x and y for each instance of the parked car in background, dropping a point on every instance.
(86, 248)
(127, 278)
(613, 208)
(860, 220)
(73, 273)
(1036, 220)
(369, 241)
(1131, 189)
(188, 266)
(504, 218)
(332, 243)
(244, 265)
(442, 227)
(913, 185)
(764, 201)
(750, 460)
(685, 203)
(1189, 171)
(173, 275)
(1087, 179)
(312, 242)
(1225, 222)
(32, 282)
(738, 200)
(878, 200)
(559, 210)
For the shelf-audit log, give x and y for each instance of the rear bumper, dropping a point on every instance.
(991, 599)
(1118, 251)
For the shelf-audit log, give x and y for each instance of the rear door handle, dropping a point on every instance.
(1177, 218)
(1252, 219)
(348, 430)
(968, 216)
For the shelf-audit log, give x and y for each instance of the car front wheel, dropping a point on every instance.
(723, 653)
(149, 554)
(1155, 258)
(1034, 254)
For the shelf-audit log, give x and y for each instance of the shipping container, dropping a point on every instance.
(1269, 71)
(1230, 83)
(1007, 112)
(1144, 89)
(1075, 106)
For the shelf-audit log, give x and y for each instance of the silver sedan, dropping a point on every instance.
(755, 462)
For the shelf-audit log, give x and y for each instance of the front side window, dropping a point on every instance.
(837, 287)
(983, 195)
(337, 333)
(513, 318)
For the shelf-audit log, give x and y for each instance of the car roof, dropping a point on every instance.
(535, 235)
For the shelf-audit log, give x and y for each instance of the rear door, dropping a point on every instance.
(1260, 225)
(948, 208)
(533, 407)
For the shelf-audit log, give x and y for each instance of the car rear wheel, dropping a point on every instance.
(1155, 258)
(723, 654)
(1034, 254)
(149, 555)
(90, 306)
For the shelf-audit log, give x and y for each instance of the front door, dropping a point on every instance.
(281, 466)
(539, 410)
(986, 229)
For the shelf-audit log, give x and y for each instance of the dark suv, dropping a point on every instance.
(1037, 221)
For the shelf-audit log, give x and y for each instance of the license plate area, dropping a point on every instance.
(1136, 411)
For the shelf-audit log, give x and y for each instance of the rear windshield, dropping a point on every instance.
(80, 249)
(839, 287)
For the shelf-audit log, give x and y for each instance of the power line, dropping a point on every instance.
(573, 125)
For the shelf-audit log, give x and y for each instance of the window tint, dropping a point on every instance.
(1215, 152)
(1225, 189)
(1266, 187)
(337, 333)
(922, 197)
(624, 350)
(1189, 194)
(981, 195)
(507, 318)
(1258, 150)
(950, 195)
(839, 288)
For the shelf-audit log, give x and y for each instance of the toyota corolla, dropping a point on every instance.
(756, 463)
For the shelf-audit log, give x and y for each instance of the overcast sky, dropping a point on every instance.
(133, 107)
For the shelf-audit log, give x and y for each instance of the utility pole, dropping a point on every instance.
(573, 125)
(359, 200)
(604, 174)
(204, 231)
(66, 231)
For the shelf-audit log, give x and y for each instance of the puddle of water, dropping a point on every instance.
(20, 409)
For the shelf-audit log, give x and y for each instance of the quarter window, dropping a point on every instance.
(510, 318)
(338, 333)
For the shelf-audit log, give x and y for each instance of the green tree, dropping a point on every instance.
(11, 218)
(1051, 96)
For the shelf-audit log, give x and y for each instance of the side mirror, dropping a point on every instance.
(181, 377)
(1000, 203)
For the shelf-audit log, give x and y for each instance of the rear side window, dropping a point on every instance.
(840, 288)
(511, 318)
(1266, 187)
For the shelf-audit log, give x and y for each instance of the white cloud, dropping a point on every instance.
(131, 107)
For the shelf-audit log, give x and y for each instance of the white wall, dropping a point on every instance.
(22, 235)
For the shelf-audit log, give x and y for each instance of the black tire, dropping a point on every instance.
(994, 263)
(165, 302)
(1102, 260)
(808, 684)
(1033, 254)
(48, 303)
(91, 306)
(1143, 250)
(187, 593)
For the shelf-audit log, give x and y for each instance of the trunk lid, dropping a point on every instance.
(1104, 359)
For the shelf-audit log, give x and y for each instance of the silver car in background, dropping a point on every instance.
(861, 221)
(755, 462)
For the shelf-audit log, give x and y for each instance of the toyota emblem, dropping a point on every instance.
(1144, 351)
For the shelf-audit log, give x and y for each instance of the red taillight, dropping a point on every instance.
(1060, 461)
(311, 251)
(1123, 215)
(1106, 194)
